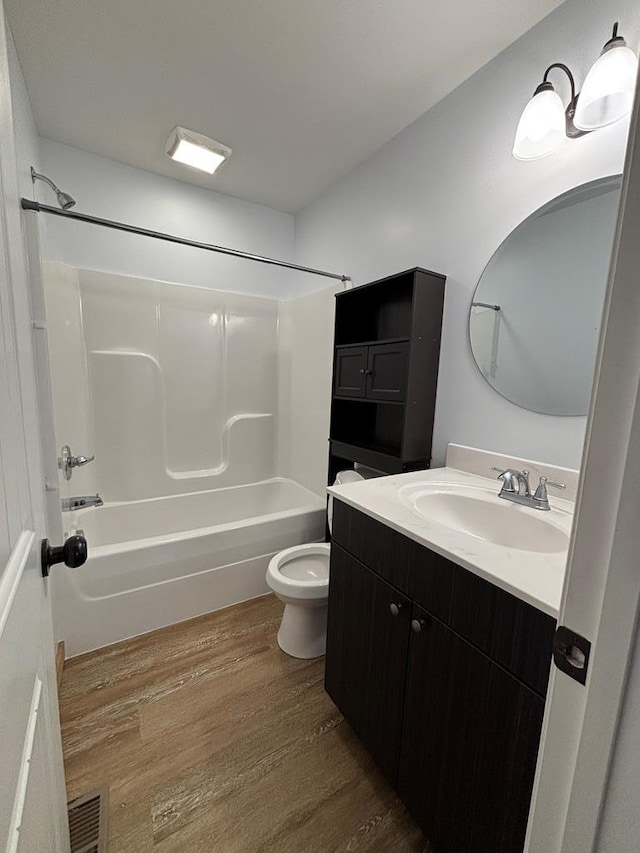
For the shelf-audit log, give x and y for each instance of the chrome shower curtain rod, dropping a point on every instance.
(28, 204)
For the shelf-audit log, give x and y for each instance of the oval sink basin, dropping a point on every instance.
(484, 516)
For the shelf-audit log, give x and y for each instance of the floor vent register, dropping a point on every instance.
(88, 822)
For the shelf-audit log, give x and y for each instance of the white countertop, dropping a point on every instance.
(533, 577)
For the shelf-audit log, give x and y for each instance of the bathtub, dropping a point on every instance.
(158, 561)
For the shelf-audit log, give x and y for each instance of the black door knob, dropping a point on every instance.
(73, 554)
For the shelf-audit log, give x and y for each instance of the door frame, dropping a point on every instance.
(23, 420)
(601, 593)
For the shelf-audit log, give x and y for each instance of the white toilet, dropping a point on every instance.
(299, 576)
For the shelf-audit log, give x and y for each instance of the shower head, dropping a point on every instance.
(64, 199)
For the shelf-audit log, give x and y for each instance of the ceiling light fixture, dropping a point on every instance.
(606, 97)
(195, 150)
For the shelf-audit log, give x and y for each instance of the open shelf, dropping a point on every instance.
(382, 313)
(369, 401)
(386, 353)
(386, 462)
(377, 426)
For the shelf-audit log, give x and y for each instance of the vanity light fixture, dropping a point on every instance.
(195, 150)
(607, 94)
(606, 97)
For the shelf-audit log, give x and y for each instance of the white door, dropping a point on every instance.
(32, 793)
(576, 774)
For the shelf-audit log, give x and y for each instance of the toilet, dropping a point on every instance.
(299, 576)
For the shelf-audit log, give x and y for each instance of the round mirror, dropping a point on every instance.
(536, 312)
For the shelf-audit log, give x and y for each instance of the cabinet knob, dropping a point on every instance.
(395, 608)
(417, 625)
(362, 371)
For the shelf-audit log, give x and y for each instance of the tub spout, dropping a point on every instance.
(81, 502)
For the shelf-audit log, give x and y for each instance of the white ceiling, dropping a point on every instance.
(302, 90)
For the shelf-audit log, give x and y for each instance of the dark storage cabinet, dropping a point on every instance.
(375, 372)
(387, 371)
(447, 699)
(387, 349)
(350, 371)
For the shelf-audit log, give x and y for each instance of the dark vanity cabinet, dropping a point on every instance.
(470, 742)
(443, 677)
(385, 372)
(371, 642)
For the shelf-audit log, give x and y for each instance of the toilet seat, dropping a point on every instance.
(301, 572)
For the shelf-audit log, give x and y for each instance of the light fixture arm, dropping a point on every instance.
(572, 131)
(566, 70)
(615, 40)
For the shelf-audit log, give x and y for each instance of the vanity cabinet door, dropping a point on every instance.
(367, 643)
(469, 744)
(387, 371)
(350, 371)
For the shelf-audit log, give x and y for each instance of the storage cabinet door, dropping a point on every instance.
(387, 371)
(367, 655)
(350, 371)
(469, 745)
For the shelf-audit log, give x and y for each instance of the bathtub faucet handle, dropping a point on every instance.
(67, 461)
(82, 460)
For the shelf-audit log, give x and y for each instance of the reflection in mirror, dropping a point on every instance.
(535, 316)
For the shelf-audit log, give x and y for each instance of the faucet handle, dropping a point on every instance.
(79, 461)
(506, 475)
(541, 492)
(555, 485)
(67, 461)
(542, 486)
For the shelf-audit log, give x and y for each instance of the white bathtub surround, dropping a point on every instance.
(535, 577)
(155, 562)
(174, 388)
(306, 353)
(299, 576)
(184, 394)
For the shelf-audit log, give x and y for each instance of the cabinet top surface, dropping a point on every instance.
(459, 516)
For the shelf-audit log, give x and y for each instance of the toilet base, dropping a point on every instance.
(303, 630)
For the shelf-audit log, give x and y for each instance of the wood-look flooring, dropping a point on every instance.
(213, 740)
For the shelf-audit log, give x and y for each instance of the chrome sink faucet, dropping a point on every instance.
(516, 488)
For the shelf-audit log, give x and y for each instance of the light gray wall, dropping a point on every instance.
(26, 135)
(112, 190)
(445, 192)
